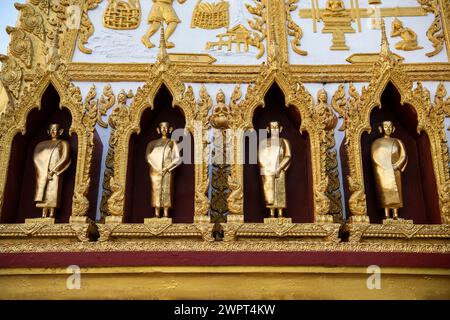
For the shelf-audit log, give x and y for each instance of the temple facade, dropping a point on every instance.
(267, 149)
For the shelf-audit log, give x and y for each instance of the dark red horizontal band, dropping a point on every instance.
(111, 259)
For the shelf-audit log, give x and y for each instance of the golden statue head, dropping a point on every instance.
(274, 127)
(322, 96)
(220, 97)
(397, 27)
(164, 128)
(55, 131)
(387, 127)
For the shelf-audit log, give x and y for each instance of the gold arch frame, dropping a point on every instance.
(319, 126)
(14, 121)
(160, 74)
(357, 111)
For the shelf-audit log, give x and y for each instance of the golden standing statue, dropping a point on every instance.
(162, 11)
(389, 160)
(163, 157)
(274, 159)
(51, 159)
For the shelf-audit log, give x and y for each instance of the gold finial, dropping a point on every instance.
(162, 55)
(384, 40)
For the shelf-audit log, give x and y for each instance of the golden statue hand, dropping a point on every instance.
(50, 175)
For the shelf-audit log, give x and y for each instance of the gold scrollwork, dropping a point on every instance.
(435, 32)
(31, 20)
(20, 46)
(294, 30)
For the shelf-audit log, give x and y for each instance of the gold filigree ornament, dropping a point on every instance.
(293, 29)
(211, 15)
(122, 14)
(20, 46)
(356, 112)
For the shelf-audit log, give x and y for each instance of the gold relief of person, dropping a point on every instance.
(334, 8)
(51, 159)
(162, 156)
(389, 160)
(162, 11)
(274, 159)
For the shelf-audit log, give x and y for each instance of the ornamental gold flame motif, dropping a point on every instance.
(51, 159)
(389, 160)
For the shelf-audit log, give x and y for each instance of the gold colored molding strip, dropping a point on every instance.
(103, 72)
(138, 72)
(445, 15)
(226, 269)
(367, 12)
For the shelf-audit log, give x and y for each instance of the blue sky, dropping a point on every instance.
(8, 17)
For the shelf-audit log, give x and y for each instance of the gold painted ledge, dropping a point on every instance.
(233, 282)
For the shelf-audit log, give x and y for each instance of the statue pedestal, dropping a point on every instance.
(235, 218)
(202, 219)
(79, 219)
(278, 220)
(397, 222)
(113, 219)
(41, 220)
(158, 220)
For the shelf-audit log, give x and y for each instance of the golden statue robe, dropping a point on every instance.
(50, 155)
(271, 158)
(162, 154)
(388, 152)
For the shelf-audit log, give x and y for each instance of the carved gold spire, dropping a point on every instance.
(385, 49)
(163, 56)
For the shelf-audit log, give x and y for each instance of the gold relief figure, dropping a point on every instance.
(221, 113)
(122, 15)
(334, 8)
(51, 159)
(409, 37)
(389, 159)
(163, 157)
(274, 159)
(162, 11)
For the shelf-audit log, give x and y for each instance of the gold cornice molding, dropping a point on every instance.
(35, 245)
(138, 72)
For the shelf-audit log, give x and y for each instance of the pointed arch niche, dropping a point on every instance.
(299, 184)
(138, 185)
(421, 201)
(18, 203)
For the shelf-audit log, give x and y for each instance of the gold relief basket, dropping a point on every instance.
(211, 15)
(122, 15)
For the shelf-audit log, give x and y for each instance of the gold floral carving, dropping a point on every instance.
(356, 114)
(20, 46)
(11, 76)
(106, 102)
(31, 20)
(14, 122)
(126, 122)
(434, 33)
(293, 29)
(325, 182)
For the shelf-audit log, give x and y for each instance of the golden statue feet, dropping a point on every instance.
(147, 43)
(280, 213)
(272, 213)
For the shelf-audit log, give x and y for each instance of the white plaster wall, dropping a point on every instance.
(367, 41)
(125, 45)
